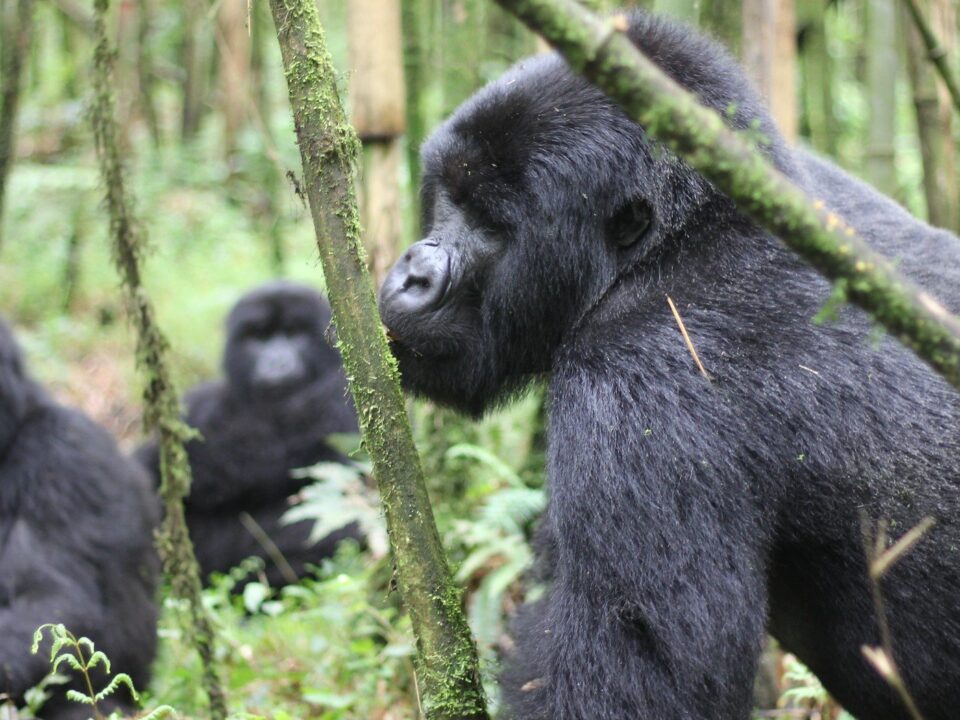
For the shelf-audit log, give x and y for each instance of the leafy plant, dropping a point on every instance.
(81, 656)
(807, 692)
(340, 495)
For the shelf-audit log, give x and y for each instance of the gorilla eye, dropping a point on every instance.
(629, 223)
(258, 332)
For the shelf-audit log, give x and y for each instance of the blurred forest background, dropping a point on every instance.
(210, 149)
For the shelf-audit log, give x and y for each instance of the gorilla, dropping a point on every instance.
(284, 392)
(76, 523)
(686, 516)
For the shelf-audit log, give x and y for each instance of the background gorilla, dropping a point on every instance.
(76, 519)
(284, 392)
(685, 517)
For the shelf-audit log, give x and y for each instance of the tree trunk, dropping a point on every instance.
(233, 42)
(378, 109)
(882, 69)
(934, 111)
(723, 19)
(446, 656)
(17, 31)
(817, 67)
(770, 57)
(417, 19)
(196, 64)
(145, 69)
(379, 200)
(464, 49)
(686, 10)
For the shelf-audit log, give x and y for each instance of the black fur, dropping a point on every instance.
(253, 435)
(76, 521)
(685, 518)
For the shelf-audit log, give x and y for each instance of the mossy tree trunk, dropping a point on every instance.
(935, 51)
(145, 69)
(934, 112)
(600, 51)
(882, 71)
(817, 68)
(197, 52)
(416, 17)
(686, 10)
(446, 657)
(464, 48)
(724, 20)
(17, 29)
(161, 404)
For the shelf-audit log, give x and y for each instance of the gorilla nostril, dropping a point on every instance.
(416, 281)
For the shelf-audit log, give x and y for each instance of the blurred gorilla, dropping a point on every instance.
(284, 392)
(685, 517)
(76, 523)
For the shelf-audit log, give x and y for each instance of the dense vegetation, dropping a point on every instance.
(213, 165)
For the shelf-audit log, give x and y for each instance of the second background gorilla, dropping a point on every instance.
(283, 394)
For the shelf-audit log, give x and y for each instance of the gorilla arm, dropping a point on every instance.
(658, 602)
(44, 584)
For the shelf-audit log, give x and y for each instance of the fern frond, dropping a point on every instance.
(98, 658)
(78, 697)
(115, 682)
(164, 711)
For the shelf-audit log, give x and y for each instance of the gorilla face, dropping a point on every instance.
(533, 207)
(275, 341)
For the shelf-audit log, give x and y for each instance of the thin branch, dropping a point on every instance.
(881, 658)
(600, 51)
(161, 405)
(269, 547)
(687, 340)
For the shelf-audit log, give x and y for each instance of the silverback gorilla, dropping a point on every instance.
(685, 517)
(76, 523)
(284, 392)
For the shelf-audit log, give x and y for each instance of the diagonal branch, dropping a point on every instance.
(601, 52)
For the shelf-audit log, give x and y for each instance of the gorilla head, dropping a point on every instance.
(538, 193)
(275, 341)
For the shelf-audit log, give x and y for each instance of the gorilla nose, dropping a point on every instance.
(418, 280)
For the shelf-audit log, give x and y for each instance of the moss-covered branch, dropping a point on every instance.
(447, 661)
(602, 53)
(935, 51)
(16, 24)
(161, 406)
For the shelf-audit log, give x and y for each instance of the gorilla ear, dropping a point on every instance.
(629, 223)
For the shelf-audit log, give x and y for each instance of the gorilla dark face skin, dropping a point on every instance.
(275, 341)
(686, 517)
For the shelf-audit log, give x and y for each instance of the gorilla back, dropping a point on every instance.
(76, 521)
(686, 517)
